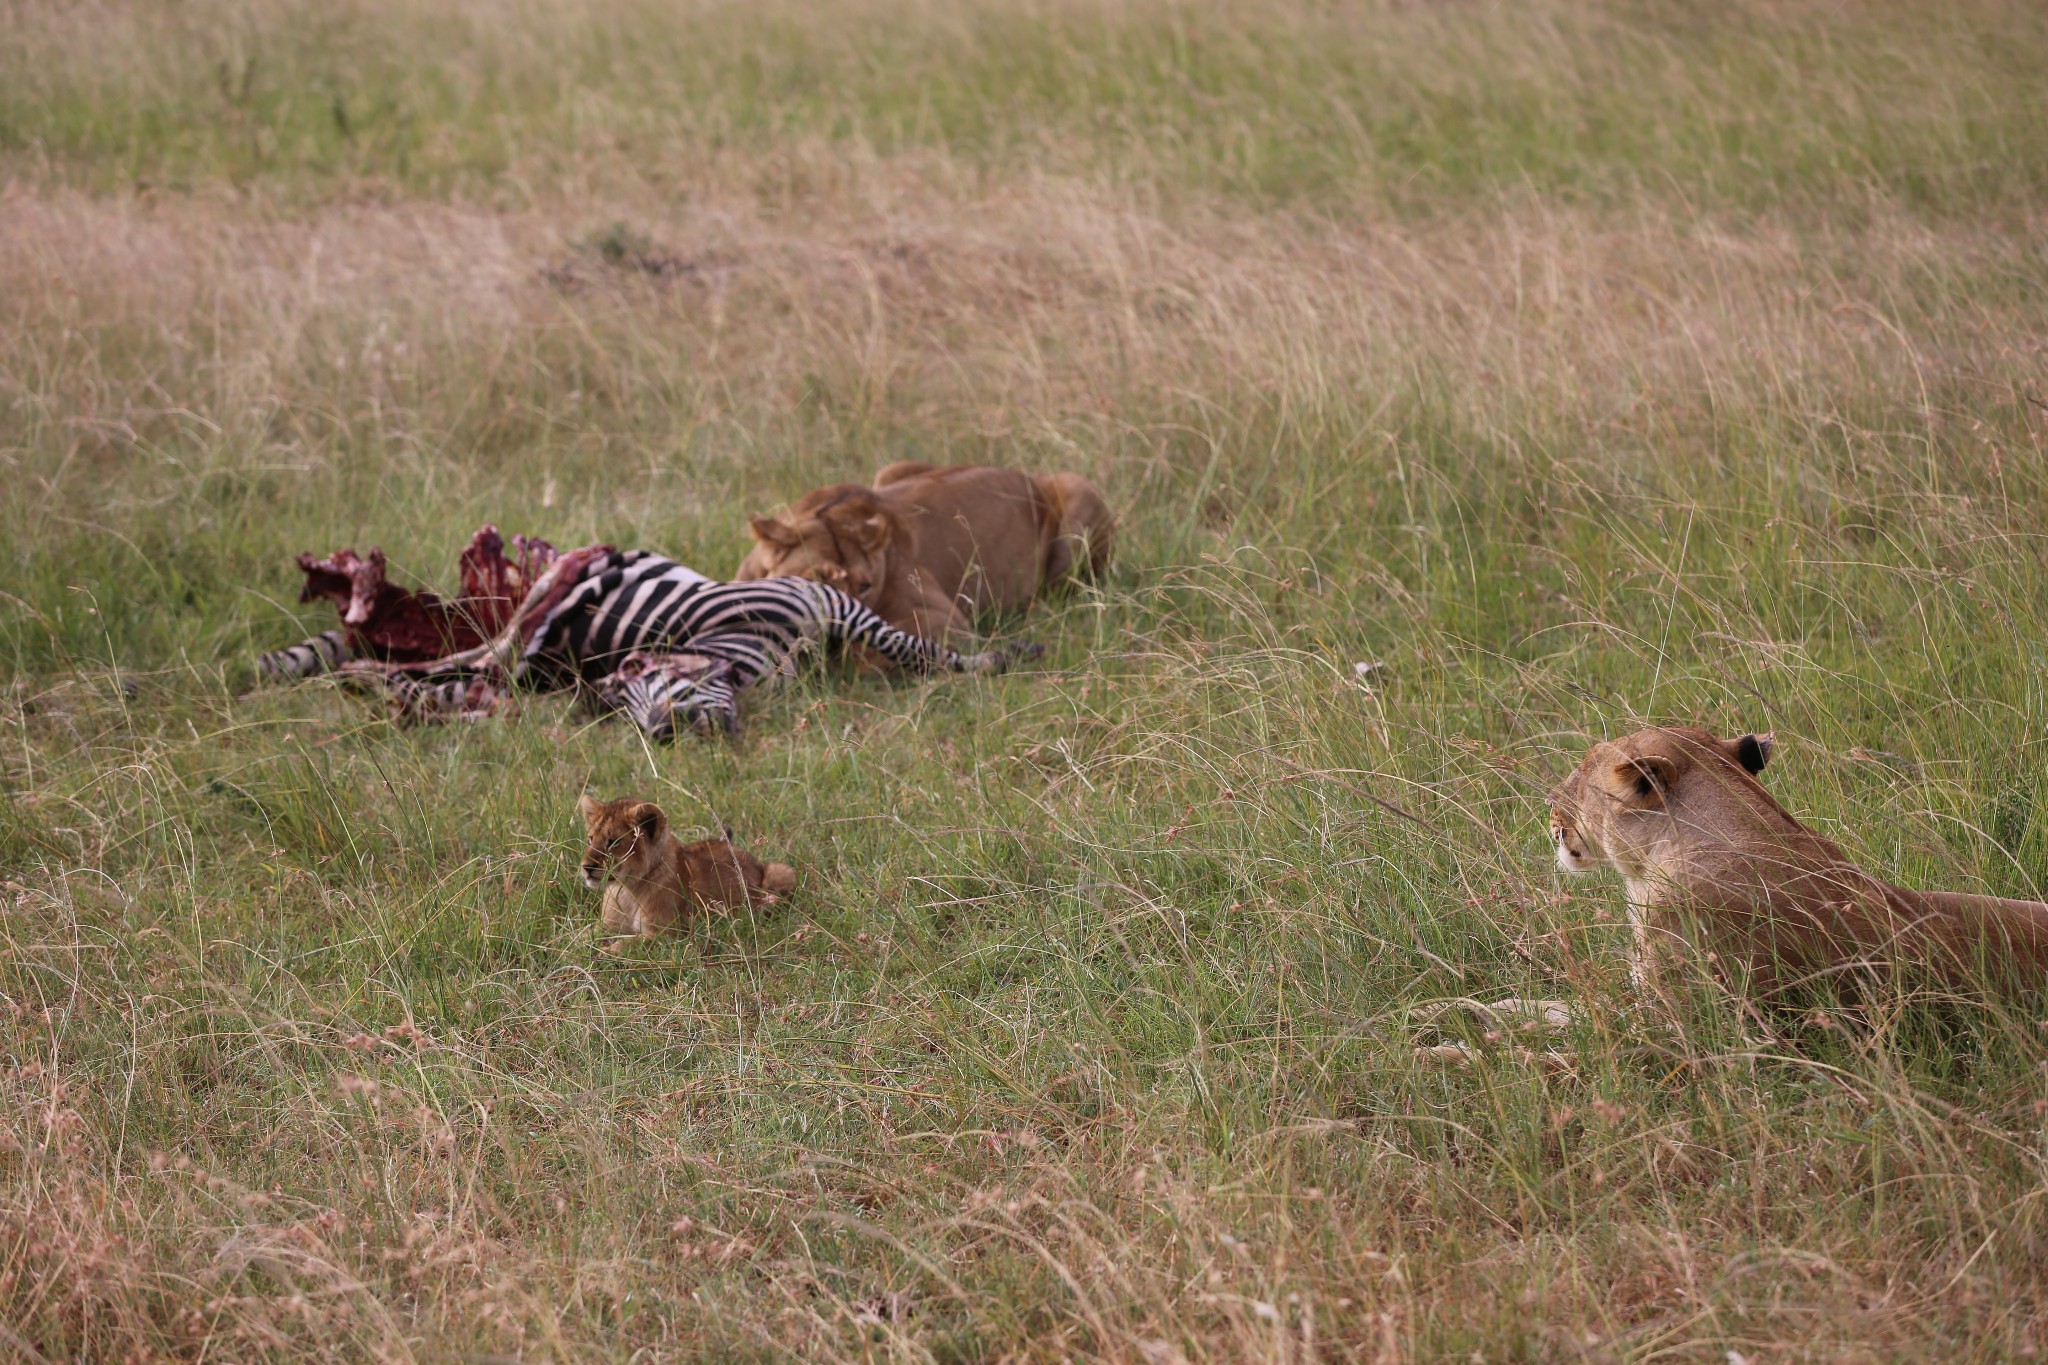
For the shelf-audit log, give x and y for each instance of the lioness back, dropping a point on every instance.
(930, 547)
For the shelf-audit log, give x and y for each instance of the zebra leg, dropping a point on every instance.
(323, 653)
(420, 701)
(846, 620)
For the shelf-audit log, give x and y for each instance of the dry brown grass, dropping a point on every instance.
(1015, 316)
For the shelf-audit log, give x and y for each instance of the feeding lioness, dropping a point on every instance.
(651, 882)
(927, 548)
(1681, 815)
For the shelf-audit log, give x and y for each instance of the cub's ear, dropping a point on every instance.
(1753, 751)
(649, 820)
(589, 808)
(1642, 781)
(769, 531)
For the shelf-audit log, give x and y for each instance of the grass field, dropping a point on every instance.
(1584, 365)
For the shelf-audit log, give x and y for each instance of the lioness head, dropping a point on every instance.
(1615, 810)
(621, 834)
(838, 536)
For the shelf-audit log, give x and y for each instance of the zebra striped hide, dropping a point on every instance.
(642, 635)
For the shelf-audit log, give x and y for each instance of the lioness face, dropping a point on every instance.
(1589, 811)
(1574, 854)
(1608, 813)
(816, 555)
(843, 543)
(1615, 810)
(620, 834)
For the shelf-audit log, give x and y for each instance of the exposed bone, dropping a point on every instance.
(393, 625)
(502, 650)
(1514, 1012)
(492, 586)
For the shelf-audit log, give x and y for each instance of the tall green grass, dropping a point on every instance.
(1746, 106)
(1091, 1029)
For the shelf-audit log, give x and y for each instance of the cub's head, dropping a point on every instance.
(837, 536)
(1615, 810)
(621, 834)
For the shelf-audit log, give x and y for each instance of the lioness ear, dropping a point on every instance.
(769, 531)
(870, 532)
(873, 533)
(1642, 781)
(649, 820)
(1753, 751)
(589, 808)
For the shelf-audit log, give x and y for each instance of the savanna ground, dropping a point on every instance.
(1582, 365)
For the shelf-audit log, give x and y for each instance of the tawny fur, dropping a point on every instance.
(653, 883)
(1681, 815)
(928, 548)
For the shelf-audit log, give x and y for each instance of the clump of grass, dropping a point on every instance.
(619, 244)
(1090, 1029)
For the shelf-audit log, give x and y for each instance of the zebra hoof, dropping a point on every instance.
(1001, 660)
(711, 725)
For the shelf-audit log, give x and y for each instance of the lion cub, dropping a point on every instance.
(655, 881)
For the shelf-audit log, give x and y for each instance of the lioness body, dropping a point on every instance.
(927, 548)
(652, 883)
(1681, 815)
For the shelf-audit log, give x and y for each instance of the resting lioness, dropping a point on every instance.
(1681, 815)
(655, 881)
(927, 548)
